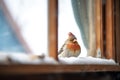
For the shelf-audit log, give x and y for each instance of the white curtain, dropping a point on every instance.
(84, 16)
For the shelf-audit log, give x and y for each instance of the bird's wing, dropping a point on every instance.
(61, 49)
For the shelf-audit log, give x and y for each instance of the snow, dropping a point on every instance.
(21, 58)
(86, 60)
(3, 58)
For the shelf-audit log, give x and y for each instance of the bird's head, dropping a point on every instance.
(72, 37)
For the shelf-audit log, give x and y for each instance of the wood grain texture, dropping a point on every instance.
(92, 32)
(98, 26)
(53, 28)
(38, 69)
(109, 30)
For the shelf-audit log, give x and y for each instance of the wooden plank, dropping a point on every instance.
(38, 69)
(92, 32)
(53, 29)
(117, 29)
(99, 28)
(15, 27)
(109, 30)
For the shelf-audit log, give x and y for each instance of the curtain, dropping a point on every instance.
(84, 15)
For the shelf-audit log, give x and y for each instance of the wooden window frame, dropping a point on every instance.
(53, 42)
(110, 43)
(117, 30)
(105, 30)
(99, 26)
(53, 28)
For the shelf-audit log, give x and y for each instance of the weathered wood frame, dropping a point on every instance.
(117, 29)
(53, 28)
(99, 27)
(105, 44)
(110, 43)
(45, 69)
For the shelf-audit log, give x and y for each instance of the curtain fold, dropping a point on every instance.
(84, 15)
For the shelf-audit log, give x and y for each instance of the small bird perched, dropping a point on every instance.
(70, 48)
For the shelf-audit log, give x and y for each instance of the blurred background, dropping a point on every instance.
(31, 17)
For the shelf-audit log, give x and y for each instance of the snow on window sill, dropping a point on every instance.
(87, 60)
(21, 58)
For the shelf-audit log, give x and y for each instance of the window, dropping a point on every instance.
(105, 42)
(99, 26)
(8, 40)
(28, 17)
(105, 39)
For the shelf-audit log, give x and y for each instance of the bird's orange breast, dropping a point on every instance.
(73, 46)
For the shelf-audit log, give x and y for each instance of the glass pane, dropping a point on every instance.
(68, 24)
(31, 16)
(8, 40)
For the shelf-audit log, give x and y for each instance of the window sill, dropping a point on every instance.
(47, 68)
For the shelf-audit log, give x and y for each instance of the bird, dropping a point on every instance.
(70, 48)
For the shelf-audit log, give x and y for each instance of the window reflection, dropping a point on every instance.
(31, 16)
(8, 40)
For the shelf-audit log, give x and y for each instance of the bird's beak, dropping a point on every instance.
(75, 40)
